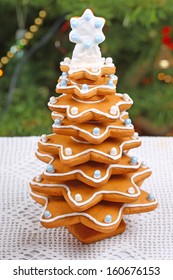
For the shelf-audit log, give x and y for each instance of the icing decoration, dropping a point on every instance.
(109, 60)
(94, 90)
(87, 15)
(98, 24)
(64, 74)
(82, 174)
(93, 110)
(78, 197)
(127, 122)
(97, 174)
(73, 23)
(135, 135)
(63, 83)
(113, 151)
(52, 99)
(87, 34)
(50, 168)
(74, 214)
(68, 151)
(87, 44)
(131, 190)
(67, 60)
(88, 102)
(113, 110)
(110, 83)
(144, 164)
(132, 180)
(106, 133)
(57, 122)
(150, 197)
(74, 110)
(96, 131)
(126, 97)
(84, 88)
(95, 70)
(108, 219)
(99, 39)
(47, 214)
(133, 160)
(44, 138)
(38, 178)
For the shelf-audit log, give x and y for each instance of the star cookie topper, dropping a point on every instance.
(87, 35)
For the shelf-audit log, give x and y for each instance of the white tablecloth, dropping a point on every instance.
(148, 235)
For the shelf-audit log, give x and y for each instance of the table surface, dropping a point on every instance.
(148, 235)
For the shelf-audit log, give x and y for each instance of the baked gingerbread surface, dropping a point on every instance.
(92, 177)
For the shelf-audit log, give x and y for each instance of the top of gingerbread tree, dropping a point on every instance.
(87, 35)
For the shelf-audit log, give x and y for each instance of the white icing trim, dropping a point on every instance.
(115, 157)
(58, 86)
(55, 114)
(71, 70)
(88, 102)
(78, 171)
(86, 214)
(99, 112)
(79, 141)
(92, 135)
(78, 204)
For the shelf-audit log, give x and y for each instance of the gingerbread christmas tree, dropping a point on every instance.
(90, 180)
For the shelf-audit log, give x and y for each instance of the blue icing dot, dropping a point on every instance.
(108, 219)
(57, 121)
(133, 160)
(87, 16)
(97, 174)
(96, 131)
(47, 214)
(127, 121)
(74, 37)
(110, 83)
(150, 197)
(63, 83)
(74, 23)
(50, 168)
(98, 39)
(98, 23)
(64, 74)
(87, 44)
(84, 87)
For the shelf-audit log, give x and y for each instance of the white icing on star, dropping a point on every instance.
(84, 202)
(87, 35)
(88, 216)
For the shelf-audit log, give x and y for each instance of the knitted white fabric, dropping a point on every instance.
(148, 235)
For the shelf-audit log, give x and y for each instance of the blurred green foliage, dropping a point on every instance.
(133, 40)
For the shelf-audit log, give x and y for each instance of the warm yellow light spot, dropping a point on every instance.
(10, 54)
(164, 63)
(38, 21)
(23, 42)
(161, 76)
(42, 14)
(4, 60)
(33, 28)
(168, 79)
(28, 35)
(1, 73)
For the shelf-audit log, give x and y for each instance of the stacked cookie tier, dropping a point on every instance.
(91, 178)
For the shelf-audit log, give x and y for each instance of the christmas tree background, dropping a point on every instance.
(139, 38)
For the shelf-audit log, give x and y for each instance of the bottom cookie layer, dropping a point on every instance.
(89, 235)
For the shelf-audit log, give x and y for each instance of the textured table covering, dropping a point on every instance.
(148, 235)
